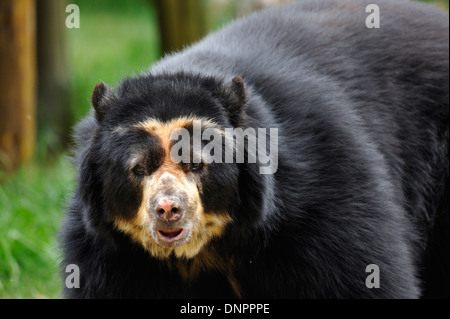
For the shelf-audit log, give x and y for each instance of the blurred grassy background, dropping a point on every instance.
(116, 39)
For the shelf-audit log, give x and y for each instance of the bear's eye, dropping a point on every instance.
(196, 166)
(139, 170)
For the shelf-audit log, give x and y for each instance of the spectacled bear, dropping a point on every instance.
(360, 172)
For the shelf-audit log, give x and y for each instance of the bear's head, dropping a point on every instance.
(147, 171)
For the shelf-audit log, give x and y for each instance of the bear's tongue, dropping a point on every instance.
(170, 233)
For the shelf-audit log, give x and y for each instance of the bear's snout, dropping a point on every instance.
(168, 208)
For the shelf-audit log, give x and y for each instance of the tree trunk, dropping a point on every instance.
(181, 22)
(17, 82)
(53, 83)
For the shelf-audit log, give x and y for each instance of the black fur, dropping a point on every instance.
(362, 175)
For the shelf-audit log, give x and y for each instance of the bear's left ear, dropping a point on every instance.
(236, 98)
(102, 99)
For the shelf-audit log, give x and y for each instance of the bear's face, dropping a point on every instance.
(166, 205)
(171, 216)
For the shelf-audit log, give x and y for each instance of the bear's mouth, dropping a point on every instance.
(170, 234)
(172, 237)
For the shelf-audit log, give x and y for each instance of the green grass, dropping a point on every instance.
(115, 39)
(31, 203)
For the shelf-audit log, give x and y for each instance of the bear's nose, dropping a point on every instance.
(168, 208)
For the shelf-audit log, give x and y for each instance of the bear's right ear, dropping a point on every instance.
(236, 98)
(102, 99)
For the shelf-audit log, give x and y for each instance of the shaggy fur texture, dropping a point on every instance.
(362, 117)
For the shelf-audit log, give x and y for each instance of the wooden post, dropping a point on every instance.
(181, 22)
(17, 82)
